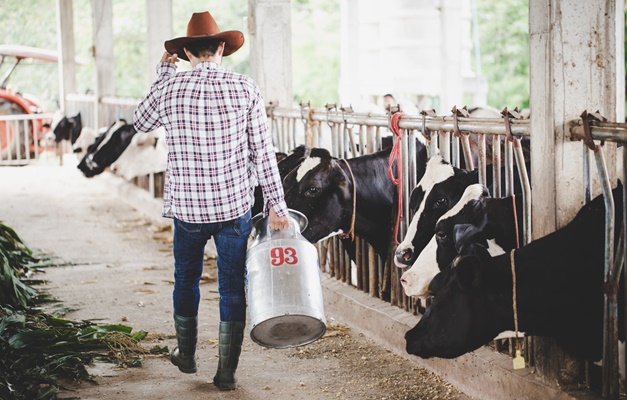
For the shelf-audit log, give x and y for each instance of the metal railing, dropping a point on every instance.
(21, 138)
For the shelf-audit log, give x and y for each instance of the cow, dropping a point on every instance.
(438, 191)
(496, 217)
(322, 189)
(146, 154)
(285, 163)
(65, 128)
(107, 148)
(559, 290)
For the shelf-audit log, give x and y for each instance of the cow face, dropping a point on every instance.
(465, 313)
(437, 192)
(68, 128)
(320, 189)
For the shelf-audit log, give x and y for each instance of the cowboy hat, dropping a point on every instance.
(203, 26)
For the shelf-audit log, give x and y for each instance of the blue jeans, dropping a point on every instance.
(231, 239)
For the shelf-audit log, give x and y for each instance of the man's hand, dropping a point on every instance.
(170, 58)
(278, 223)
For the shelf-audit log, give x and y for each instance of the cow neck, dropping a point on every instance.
(351, 232)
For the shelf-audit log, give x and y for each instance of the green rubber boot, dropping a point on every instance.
(183, 356)
(230, 347)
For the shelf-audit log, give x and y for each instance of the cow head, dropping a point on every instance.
(466, 311)
(68, 128)
(438, 191)
(322, 190)
(106, 149)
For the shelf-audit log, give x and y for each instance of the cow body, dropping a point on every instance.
(107, 148)
(497, 219)
(559, 284)
(322, 189)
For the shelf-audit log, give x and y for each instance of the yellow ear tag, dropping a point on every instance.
(519, 361)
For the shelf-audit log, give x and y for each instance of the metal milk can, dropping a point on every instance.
(283, 285)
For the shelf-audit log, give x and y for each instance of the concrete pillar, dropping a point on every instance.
(451, 34)
(158, 30)
(102, 13)
(269, 30)
(65, 40)
(349, 54)
(572, 69)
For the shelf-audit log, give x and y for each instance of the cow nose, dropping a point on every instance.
(403, 258)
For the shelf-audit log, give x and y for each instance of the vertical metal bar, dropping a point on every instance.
(482, 160)
(405, 180)
(445, 145)
(496, 166)
(378, 138)
(526, 189)
(455, 151)
(610, 327)
(412, 163)
(363, 145)
(587, 181)
(509, 169)
(434, 143)
(465, 140)
(373, 272)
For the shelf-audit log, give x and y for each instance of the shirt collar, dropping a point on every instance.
(208, 65)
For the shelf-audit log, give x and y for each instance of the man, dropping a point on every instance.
(219, 148)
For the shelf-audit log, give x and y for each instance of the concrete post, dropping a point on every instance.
(572, 69)
(67, 63)
(451, 33)
(103, 54)
(269, 30)
(158, 30)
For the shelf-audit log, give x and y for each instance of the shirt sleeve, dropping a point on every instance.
(146, 116)
(264, 158)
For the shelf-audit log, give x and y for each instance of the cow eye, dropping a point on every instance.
(441, 235)
(312, 191)
(440, 203)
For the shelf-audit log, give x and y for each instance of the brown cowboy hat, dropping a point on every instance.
(203, 26)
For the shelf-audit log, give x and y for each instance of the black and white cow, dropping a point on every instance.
(285, 163)
(107, 148)
(322, 189)
(66, 128)
(559, 285)
(497, 218)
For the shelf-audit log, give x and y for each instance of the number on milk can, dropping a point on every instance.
(283, 255)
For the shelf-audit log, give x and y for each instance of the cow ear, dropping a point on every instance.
(463, 234)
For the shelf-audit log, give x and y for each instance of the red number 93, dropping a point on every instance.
(280, 256)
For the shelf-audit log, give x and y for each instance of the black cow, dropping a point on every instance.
(322, 189)
(107, 148)
(437, 192)
(559, 284)
(497, 219)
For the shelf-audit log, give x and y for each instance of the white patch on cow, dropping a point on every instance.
(494, 249)
(307, 165)
(416, 279)
(84, 140)
(472, 192)
(508, 335)
(330, 235)
(142, 156)
(435, 173)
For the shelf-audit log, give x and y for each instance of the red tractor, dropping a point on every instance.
(20, 138)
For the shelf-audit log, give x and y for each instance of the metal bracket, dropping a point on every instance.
(330, 107)
(463, 112)
(507, 114)
(425, 131)
(587, 133)
(270, 109)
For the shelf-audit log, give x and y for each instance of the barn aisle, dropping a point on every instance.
(117, 268)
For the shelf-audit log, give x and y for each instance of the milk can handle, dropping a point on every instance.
(294, 229)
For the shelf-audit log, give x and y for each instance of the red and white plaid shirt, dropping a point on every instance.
(219, 146)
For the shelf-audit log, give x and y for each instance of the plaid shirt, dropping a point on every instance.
(219, 146)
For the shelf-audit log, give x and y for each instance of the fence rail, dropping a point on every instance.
(21, 138)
